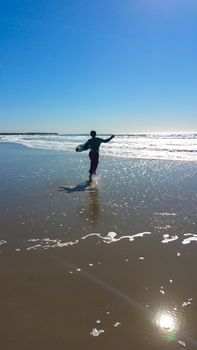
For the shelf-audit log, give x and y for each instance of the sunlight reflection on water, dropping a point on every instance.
(166, 322)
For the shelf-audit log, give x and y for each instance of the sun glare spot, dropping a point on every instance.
(166, 322)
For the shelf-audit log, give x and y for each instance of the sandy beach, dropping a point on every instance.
(111, 266)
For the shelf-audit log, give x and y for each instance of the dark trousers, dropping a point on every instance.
(94, 160)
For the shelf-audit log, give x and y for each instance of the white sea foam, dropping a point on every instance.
(96, 332)
(164, 146)
(182, 343)
(47, 243)
(111, 236)
(167, 238)
(188, 302)
(165, 214)
(192, 237)
(116, 324)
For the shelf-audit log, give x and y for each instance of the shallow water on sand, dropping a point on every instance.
(107, 266)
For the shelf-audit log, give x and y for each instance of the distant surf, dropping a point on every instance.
(161, 146)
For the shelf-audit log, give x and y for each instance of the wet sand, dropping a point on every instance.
(107, 267)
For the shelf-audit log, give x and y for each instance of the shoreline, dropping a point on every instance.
(102, 155)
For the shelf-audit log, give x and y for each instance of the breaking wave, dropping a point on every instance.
(163, 146)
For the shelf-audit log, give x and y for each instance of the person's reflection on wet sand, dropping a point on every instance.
(94, 212)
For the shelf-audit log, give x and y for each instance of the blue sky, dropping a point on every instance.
(113, 66)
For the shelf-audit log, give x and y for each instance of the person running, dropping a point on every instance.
(93, 144)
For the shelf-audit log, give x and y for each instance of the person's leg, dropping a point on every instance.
(94, 160)
(91, 165)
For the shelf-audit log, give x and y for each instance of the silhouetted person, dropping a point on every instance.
(93, 144)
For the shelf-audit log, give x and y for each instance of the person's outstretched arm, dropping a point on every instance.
(109, 139)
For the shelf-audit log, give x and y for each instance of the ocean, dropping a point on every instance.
(161, 146)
